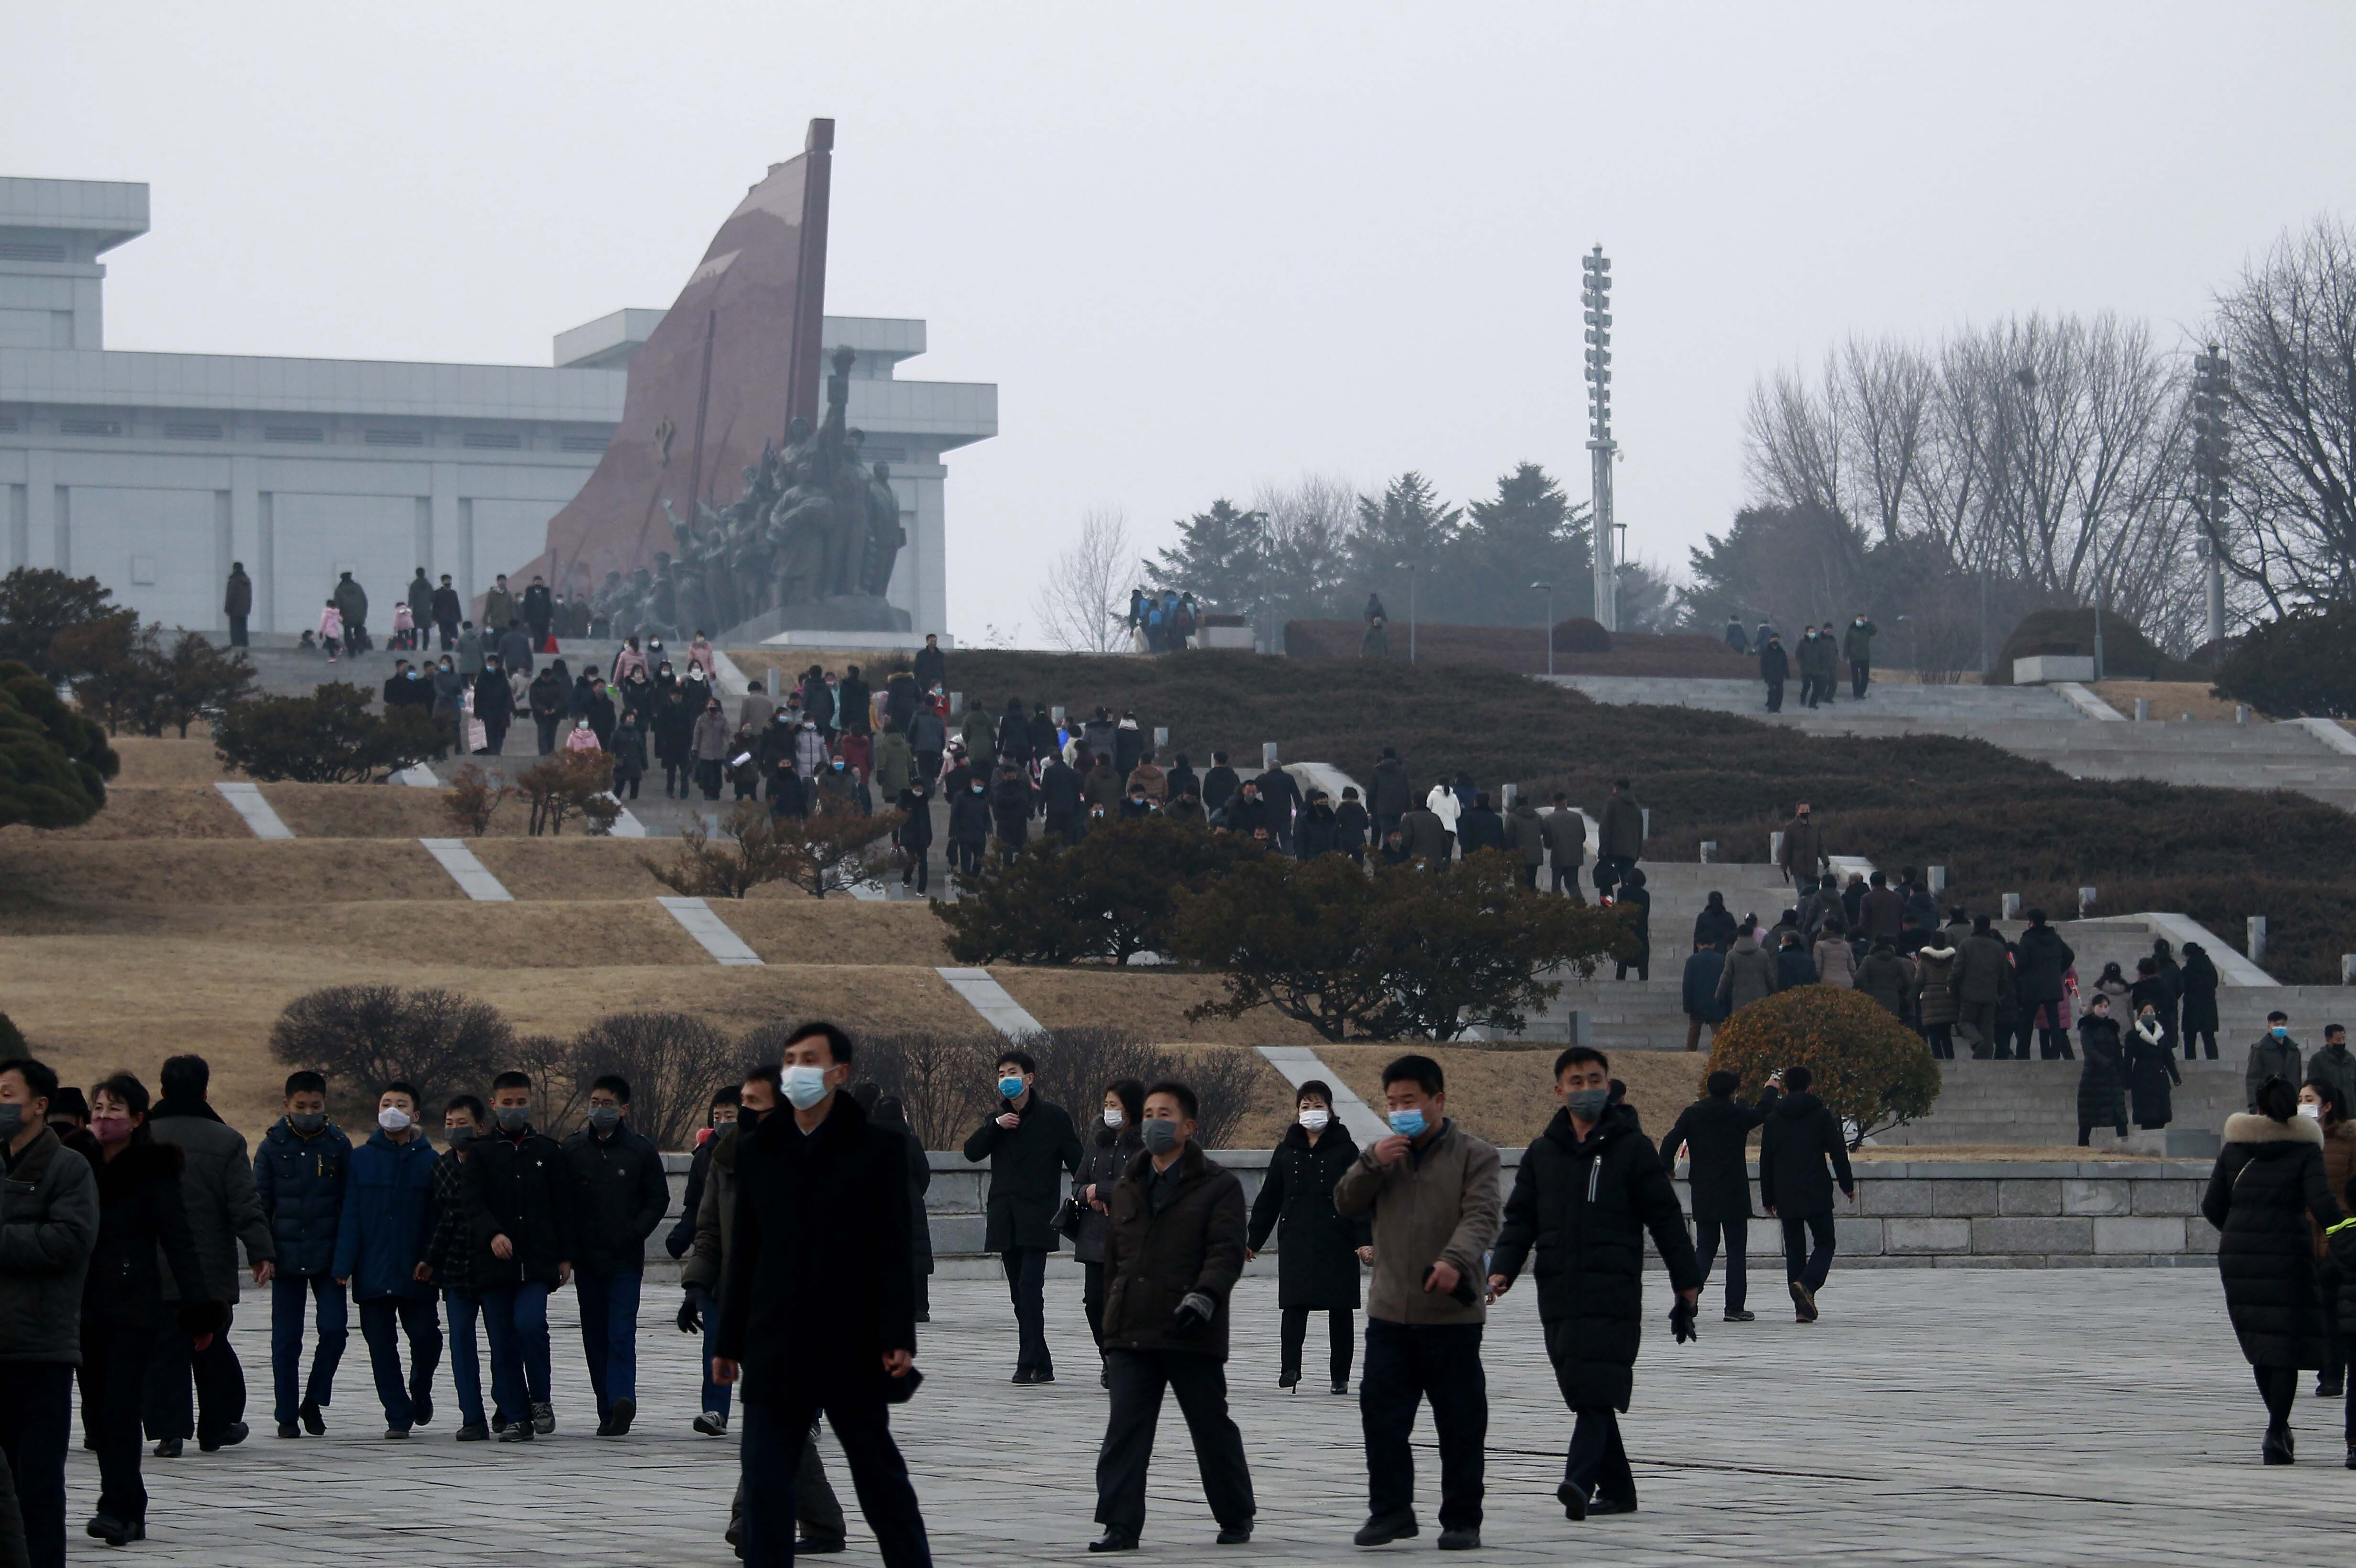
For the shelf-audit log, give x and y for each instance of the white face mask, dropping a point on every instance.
(1315, 1117)
(1113, 1118)
(392, 1119)
(805, 1086)
(2312, 1112)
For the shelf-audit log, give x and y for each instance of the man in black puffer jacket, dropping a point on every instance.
(618, 1195)
(1713, 1131)
(1798, 1188)
(520, 1222)
(1587, 1191)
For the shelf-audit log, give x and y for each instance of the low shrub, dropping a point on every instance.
(1581, 634)
(363, 1037)
(829, 851)
(1873, 1070)
(2296, 665)
(2128, 654)
(328, 737)
(567, 784)
(1108, 897)
(475, 798)
(54, 763)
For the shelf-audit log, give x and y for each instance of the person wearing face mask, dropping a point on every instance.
(48, 1227)
(1857, 647)
(1029, 1143)
(914, 836)
(618, 1197)
(1173, 1250)
(448, 1263)
(2276, 1055)
(1431, 1193)
(384, 1233)
(1801, 857)
(709, 746)
(224, 1210)
(1796, 1187)
(142, 1232)
(1588, 1191)
(1317, 1268)
(817, 1307)
(2101, 1080)
(298, 1174)
(494, 705)
(2151, 1070)
(1116, 1143)
(520, 1214)
(970, 825)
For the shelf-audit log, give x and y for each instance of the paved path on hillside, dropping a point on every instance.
(1933, 1416)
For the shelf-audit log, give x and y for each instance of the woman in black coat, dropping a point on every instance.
(1116, 1143)
(2151, 1070)
(142, 1227)
(2268, 1181)
(674, 741)
(2197, 1021)
(1317, 1267)
(2102, 1082)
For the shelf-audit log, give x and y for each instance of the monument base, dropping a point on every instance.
(852, 612)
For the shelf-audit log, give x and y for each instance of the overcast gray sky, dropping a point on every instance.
(1201, 246)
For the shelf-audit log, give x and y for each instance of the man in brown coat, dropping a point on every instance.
(1173, 1250)
(1803, 856)
(1619, 837)
(1566, 841)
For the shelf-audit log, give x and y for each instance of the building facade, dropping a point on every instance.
(154, 471)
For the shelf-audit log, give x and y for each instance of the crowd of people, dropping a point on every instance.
(1817, 659)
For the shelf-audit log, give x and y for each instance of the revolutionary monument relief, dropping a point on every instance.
(727, 496)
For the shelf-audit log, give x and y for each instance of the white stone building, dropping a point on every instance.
(154, 471)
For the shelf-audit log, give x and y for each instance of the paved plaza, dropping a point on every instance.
(1933, 1416)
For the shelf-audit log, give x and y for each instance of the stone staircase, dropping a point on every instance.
(1930, 707)
(2036, 1102)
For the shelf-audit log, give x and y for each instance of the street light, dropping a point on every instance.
(2212, 465)
(1548, 589)
(1595, 297)
(1409, 568)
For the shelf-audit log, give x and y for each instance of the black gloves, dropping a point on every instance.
(1681, 1321)
(1194, 1314)
(197, 1318)
(690, 1315)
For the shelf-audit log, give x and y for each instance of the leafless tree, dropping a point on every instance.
(2288, 327)
(1309, 524)
(1884, 391)
(1082, 605)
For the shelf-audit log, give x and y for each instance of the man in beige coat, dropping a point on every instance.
(1432, 1191)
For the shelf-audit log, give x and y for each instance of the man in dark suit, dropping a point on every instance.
(1714, 1132)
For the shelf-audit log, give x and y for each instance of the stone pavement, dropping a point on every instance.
(2035, 1417)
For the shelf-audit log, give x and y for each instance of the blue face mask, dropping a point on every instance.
(1409, 1124)
(2281, 1032)
(1010, 1087)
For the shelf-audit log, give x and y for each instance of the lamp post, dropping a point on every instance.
(1409, 568)
(1548, 589)
(2212, 460)
(1595, 296)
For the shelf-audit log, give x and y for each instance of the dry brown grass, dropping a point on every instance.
(1507, 1096)
(1150, 1002)
(2170, 700)
(464, 934)
(571, 867)
(90, 1005)
(378, 811)
(147, 811)
(835, 930)
(218, 871)
(170, 761)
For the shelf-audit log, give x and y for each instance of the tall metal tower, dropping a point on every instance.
(1595, 294)
(2212, 466)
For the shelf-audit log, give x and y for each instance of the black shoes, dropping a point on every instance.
(395, 1433)
(2331, 1388)
(1036, 1375)
(1803, 1303)
(1460, 1540)
(288, 1429)
(228, 1437)
(1239, 1535)
(1382, 1531)
(313, 1422)
(808, 1545)
(543, 1418)
(618, 1416)
(712, 1424)
(1741, 1317)
(1289, 1380)
(515, 1431)
(116, 1531)
(1342, 1385)
(2277, 1449)
(474, 1432)
(169, 1448)
(2351, 1456)
(1114, 1539)
(1601, 1506)
(1573, 1500)
(421, 1408)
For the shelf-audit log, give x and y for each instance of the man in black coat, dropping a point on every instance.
(1774, 668)
(445, 614)
(1480, 828)
(2042, 965)
(1173, 1250)
(1389, 795)
(619, 1197)
(1714, 1132)
(538, 611)
(520, 1208)
(1795, 1187)
(1060, 799)
(1219, 784)
(817, 1309)
(1705, 1009)
(1281, 798)
(932, 665)
(1587, 1191)
(494, 705)
(1030, 1145)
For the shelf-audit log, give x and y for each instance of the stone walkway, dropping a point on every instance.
(2061, 1417)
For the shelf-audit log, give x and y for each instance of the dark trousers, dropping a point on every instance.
(918, 869)
(2193, 1037)
(1803, 1264)
(1092, 1301)
(1407, 1363)
(1067, 826)
(1737, 1234)
(1943, 1040)
(219, 1380)
(36, 1424)
(449, 635)
(1026, 1283)
(547, 733)
(237, 632)
(1861, 675)
(1200, 1384)
(2278, 1386)
(965, 857)
(1598, 1463)
(2054, 1045)
(515, 1319)
(1975, 1021)
(1341, 1343)
(775, 1437)
(707, 778)
(1808, 685)
(115, 1378)
(1774, 697)
(816, 1508)
(609, 1335)
(2335, 1352)
(383, 1319)
(292, 1299)
(2013, 1034)
(465, 1312)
